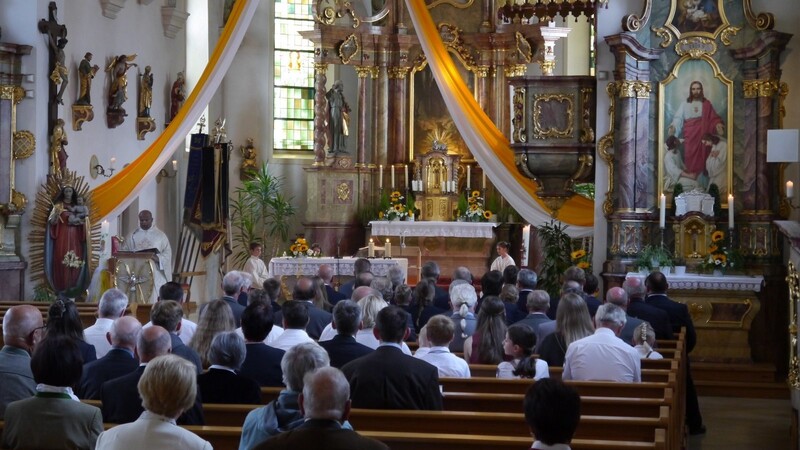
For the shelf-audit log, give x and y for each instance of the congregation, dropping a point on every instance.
(328, 351)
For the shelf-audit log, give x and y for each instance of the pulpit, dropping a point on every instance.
(133, 274)
(436, 180)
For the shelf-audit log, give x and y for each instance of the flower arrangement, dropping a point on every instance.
(394, 207)
(580, 258)
(476, 210)
(721, 254)
(72, 261)
(299, 247)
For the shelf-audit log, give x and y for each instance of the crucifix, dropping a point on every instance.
(57, 39)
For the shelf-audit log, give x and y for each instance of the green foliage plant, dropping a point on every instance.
(556, 251)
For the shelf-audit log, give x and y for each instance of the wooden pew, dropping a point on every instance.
(593, 405)
(517, 386)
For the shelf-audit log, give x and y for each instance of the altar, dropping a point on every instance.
(722, 309)
(450, 244)
(288, 269)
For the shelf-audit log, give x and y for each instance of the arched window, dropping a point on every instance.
(293, 100)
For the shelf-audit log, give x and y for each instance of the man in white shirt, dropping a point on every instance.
(602, 356)
(111, 307)
(174, 291)
(295, 319)
(440, 334)
(148, 237)
(255, 267)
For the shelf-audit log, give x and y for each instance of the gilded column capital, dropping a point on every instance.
(760, 88)
(633, 89)
(548, 66)
(12, 92)
(398, 72)
(481, 71)
(516, 70)
(320, 67)
(363, 72)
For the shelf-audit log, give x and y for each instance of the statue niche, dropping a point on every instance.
(439, 173)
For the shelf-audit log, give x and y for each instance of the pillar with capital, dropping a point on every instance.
(320, 78)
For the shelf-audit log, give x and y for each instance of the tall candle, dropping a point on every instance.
(380, 176)
(469, 176)
(483, 184)
(104, 227)
(789, 189)
(405, 179)
(730, 211)
(371, 249)
(388, 252)
(662, 206)
(113, 161)
(175, 165)
(393, 185)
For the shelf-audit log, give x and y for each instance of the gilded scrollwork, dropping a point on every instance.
(320, 68)
(540, 129)
(633, 89)
(605, 148)
(451, 37)
(696, 47)
(664, 34)
(793, 280)
(363, 72)
(482, 71)
(524, 50)
(24, 144)
(398, 72)
(587, 131)
(728, 33)
(760, 88)
(784, 91)
(343, 191)
(516, 70)
(634, 23)
(518, 119)
(19, 201)
(454, 4)
(349, 48)
(761, 21)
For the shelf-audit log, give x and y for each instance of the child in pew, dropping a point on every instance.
(519, 343)
(440, 330)
(644, 339)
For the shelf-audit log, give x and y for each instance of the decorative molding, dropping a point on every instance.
(348, 49)
(547, 67)
(112, 7)
(696, 47)
(451, 37)
(760, 88)
(24, 144)
(634, 23)
(19, 201)
(605, 148)
(80, 114)
(664, 34)
(633, 89)
(539, 131)
(516, 70)
(727, 33)
(524, 50)
(587, 131)
(144, 125)
(518, 117)
(452, 3)
(399, 73)
(173, 20)
(482, 71)
(761, 21)
(784, 91)
(320, 68)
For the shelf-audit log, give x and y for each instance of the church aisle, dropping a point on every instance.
(743, 423)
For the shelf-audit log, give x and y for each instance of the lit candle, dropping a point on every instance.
(371, 249)
(730, 211)
(789, 189)
(113, 161)
(483, 184)
(393, 185)
(380, 177)
(405, 178)
(662, 206)
(175, 165)
(388, 252)
(469, 176)
(104, 227)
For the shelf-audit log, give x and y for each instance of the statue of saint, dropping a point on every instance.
(60, 74)
(86, 73)
(58, 154)
(146, 93)
(249, 156)
(118, 92)
(177, 95)
(338, 118)
(66, 242)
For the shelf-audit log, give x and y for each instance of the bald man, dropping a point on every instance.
(618, 296)
(149, 237)
(22, 326)
(118, 361)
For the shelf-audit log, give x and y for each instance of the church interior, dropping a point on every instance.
(646, 133)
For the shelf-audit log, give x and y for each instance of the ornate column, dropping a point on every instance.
(362, 73)
(551, 34)
(398, 78)
(380, 111)
(484, 85)
(320, 78)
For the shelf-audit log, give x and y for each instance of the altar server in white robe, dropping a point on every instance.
(255, 267)
(148, 237)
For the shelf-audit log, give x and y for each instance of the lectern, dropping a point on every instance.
(133, 274)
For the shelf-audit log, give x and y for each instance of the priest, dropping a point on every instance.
(149, 238)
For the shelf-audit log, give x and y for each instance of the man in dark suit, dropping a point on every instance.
(537, 303)
(326, 405)
(262, 362)
(318, 319)
(232, 284)
(360, 266)
(389, 379)
(589, 291)
(618, 296)
(656, 284)
(491, 285)
(441, 298)
(22, 328)
(117, 362)
(526, 283)
(343, 348)
(220, 383)
(120, 398)
(656, 317)
(168, 314)
(325, 272)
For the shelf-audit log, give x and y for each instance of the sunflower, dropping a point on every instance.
(476, 193)
(473, 207)
(720, 259)
(717, 236)
(578, 254)
(380, 214)
(712, 248)
(398, 208)
(293, 248)
(302, 248)
(583, 265)
(487, 214)
(396, 194)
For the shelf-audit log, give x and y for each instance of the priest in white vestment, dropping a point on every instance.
(255, 267)
(149, 237)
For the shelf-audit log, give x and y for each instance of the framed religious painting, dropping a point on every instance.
(697, 18)
(695, 150)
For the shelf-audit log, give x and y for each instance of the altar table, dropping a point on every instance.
(287, 266)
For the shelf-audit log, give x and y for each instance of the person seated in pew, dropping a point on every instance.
(63, 318)
(509, 295)
(645, 339)
(168, 387)
(440, 330)
(111, 306)
(22, 330)
(485, 346)
(463, 299)
(294, 317)
(602, 356)
(518, 344)
(344, 348)
(283, 413)
(572, 323)
(262, 362)
(174, 291)
(304, 292)
(552, 411)
(221, 383)
(264, 296)
(168, 314)
(325, 403)
(618, 296)
(119, 361)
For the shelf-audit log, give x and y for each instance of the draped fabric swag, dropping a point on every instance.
(489, 146)
(113, 196)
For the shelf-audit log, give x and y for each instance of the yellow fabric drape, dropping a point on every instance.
(116, 194)
(578, 210)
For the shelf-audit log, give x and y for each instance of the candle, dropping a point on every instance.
(104, 227)
(483, 183)
(405, 178)
(388, 252)
(371, 249)
(662, 206)
(789, 189)
(175, 165)
(113, 161)
(730, 211)
(469, 176)
(380, 177)
(454, 186)
(393, 185)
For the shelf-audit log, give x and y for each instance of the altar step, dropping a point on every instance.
(738, 380)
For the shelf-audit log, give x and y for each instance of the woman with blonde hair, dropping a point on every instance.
(644, 339)
(215, 318)
(370, 307)
(463, 299)
(320, 294)
(572, 323)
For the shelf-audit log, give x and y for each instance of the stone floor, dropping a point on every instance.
(743, 423)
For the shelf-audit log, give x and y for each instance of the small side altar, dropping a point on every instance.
(722, 309)
(450, 244)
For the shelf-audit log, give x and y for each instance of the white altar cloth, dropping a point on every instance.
(723, 283)
(287, 266)
(433, 229)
